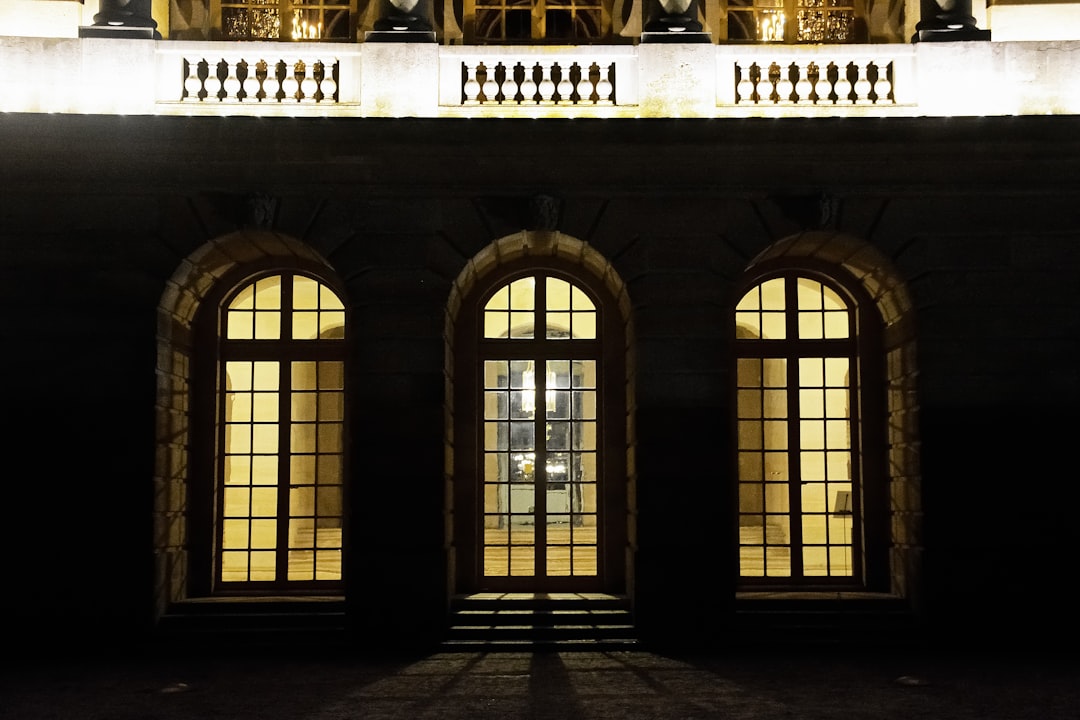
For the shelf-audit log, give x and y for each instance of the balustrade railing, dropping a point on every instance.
(256, 79)
(578, 76)
(542, 83)
(837, 75)
(429, 80)
(812, 84)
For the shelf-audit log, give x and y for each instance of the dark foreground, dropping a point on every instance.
(303, 685)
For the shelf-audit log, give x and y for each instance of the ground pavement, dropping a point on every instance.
(305, 684)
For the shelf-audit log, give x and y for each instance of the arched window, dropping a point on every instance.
(275, 510)
(541, 363)
(809, 481)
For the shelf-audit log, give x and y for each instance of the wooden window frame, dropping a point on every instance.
(868, 418)
(211, 351)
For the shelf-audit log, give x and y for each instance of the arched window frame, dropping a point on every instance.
(870, 507)
(469, 347)
(205, 492)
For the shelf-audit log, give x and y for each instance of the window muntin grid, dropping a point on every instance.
(540, 448)
(280, 506)
(797, 433)
(567, 312)
(804, 21)
(540, 482)
(287, 19)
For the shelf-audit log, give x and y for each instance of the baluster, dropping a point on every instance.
(805, 87)
(309, 86)
(471, 88)
(862, 84)
(251, 82)
(746, 87)
(231, 84)
(213, 82)
(528, 86)
(547, 85)
(585, 84)
(823, 87)
(784, 86)
(192, 84)
(605, 88)
(843, 85)
(565, 87)
(882, 87)
(491, 87)
(510, 85)
(328, 85)
(290, 85)
(272, 83)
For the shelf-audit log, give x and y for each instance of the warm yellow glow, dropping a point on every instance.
(35, 18)
(795, 437)
(771, 25)
(282, 443)
(525, 471)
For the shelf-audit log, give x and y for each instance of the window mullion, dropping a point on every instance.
(540, 423)
(791, 317)
(284, 443)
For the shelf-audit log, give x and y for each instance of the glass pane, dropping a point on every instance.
(234, 566)
(328, 564)
(522, 325)
(772, 295)
(584, 326)
(751, 300)
(522, 294)
(522, 561)
(301, 565)
(558, 294)
(558, 325)
(776, 498)
(809, 293)
(500, 300)
(773, 326)
(496, 324)
(584, 559)
(815, 561)
(328, 299)
(579, 300)
(751, 561)
(305, 325)
(836, 325)
(813, 497)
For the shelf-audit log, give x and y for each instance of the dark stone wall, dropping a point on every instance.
(979, 215)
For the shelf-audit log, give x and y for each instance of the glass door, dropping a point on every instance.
(539, 500)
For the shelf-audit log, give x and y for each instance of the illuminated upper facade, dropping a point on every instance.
(539, 58)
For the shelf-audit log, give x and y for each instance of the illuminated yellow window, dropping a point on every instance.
(796, 21)
(540, 448)
(281, 412)
(798, 468)
(286, 19)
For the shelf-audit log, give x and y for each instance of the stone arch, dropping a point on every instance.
(517, 248)
(197, 280)
(866, 267)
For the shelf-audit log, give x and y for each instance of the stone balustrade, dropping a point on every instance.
(121, 76)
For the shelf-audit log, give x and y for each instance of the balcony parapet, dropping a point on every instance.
(136, 77)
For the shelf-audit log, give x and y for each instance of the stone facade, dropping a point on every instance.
(963, 230)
